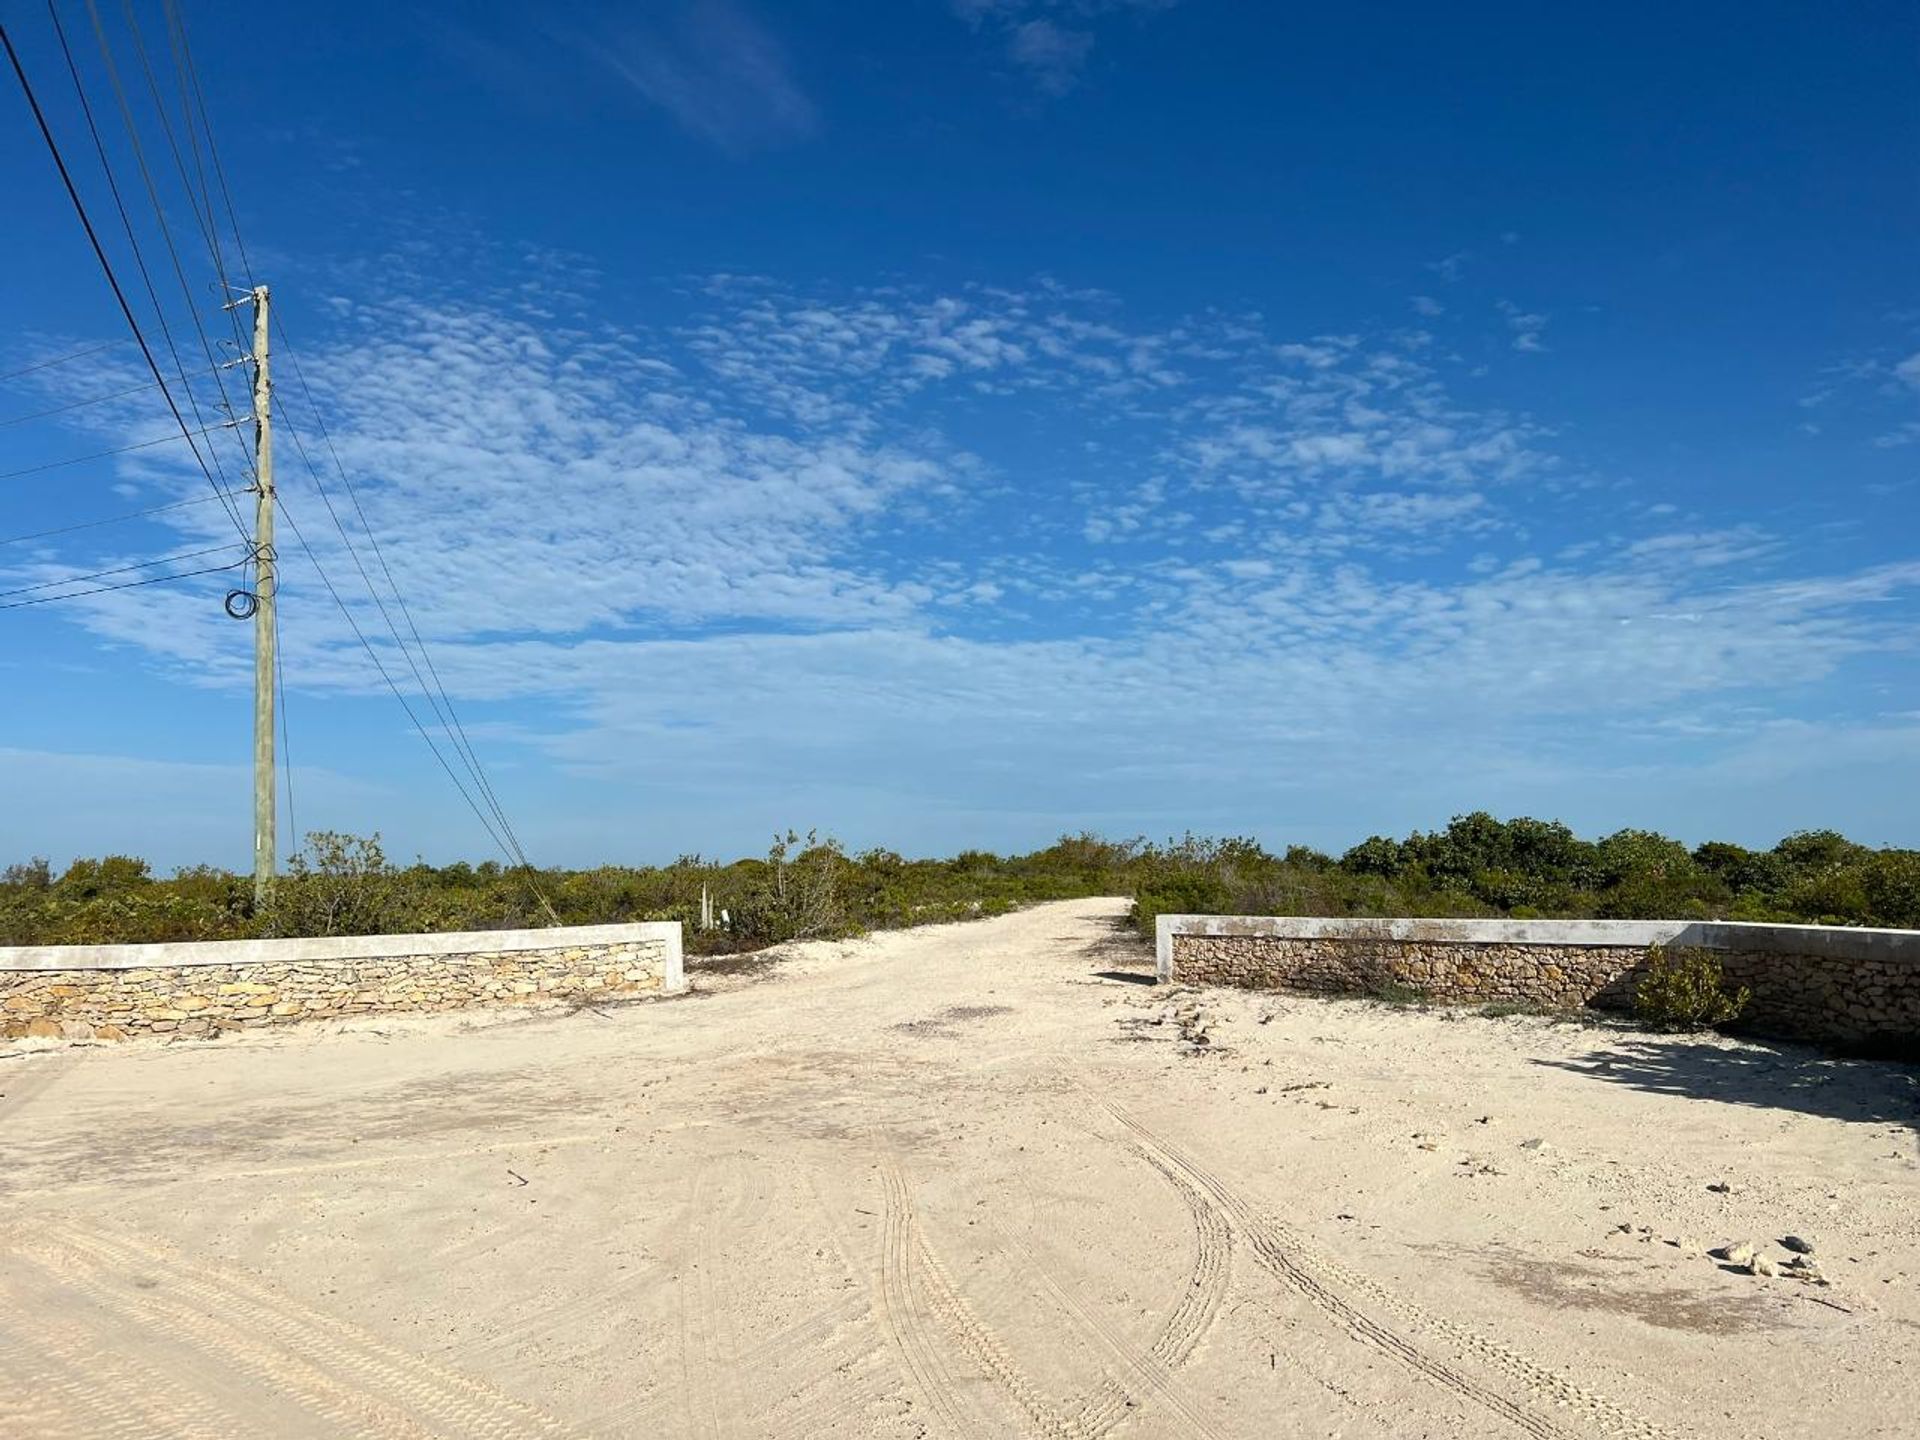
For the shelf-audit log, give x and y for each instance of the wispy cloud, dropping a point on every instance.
(1049, 41)
(1527, 327)
(1051, 54)
(774, 495)
(717, 70)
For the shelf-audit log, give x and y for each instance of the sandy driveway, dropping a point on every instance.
(954, 1182)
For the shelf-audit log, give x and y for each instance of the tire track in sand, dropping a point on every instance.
(900, 1317)
(1133, 1376)
(709, 1371)
(1137, 1376)
(217, 1348)
(344, 1371)
(85, 1380)
(1321, 1280)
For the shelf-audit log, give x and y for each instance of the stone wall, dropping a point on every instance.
(115, 992)
(1852, 987)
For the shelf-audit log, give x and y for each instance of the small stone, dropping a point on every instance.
(1720, 1187)
(1740, 1254)
(1762, 1266)
(1796, 1245)
(1534, 1144)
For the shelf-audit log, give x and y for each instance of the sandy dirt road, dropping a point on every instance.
(973, 1180)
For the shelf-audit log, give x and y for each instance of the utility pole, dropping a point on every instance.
(265, 636)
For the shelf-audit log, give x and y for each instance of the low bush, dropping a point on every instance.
(810, 886)
(1683, 988)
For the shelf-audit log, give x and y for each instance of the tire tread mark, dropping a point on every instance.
(1199, 1306)
(1315, 1276)
(717, 1410)
(272, 1366)
(457, 1404)
(100, 1389)
(1115, 1400)
(897, 1313)
(975, 1336)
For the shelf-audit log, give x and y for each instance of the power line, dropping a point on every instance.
(77, 404)
(106, 266)
(58, 359)
(119, 569)
(116, 450)
(177, 29)
(200, 203)
(127, 585)
(286, 746)
(189, 78)
(510, 846)
(133, 239)
(109, 520)
(398, 694)
(159, 210)
(455, 732)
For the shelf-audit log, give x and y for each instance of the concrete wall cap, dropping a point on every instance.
(346, 947)
(1838, 942)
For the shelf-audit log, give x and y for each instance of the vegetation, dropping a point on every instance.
(1530, 869)
(1683, 988)
(811, 886)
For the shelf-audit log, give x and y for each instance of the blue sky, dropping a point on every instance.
(955, 423)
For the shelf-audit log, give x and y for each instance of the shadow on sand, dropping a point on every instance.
(1773, 1077)
(1127, 955)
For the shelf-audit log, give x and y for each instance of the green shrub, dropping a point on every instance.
(1683, 988)
(343, 885)
(1193, 892)
(1398, 993)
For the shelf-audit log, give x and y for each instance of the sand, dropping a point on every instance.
(972, 1180)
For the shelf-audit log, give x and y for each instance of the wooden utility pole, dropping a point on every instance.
(265, 636)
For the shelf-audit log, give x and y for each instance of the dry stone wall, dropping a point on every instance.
(1855, 988)
(116, 992)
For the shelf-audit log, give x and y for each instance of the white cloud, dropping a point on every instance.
(1526, 327)
(716, 70)
(1051, 54)
(744, 563)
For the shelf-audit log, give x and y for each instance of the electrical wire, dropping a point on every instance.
(116, 450)
(106, 266)
(200, 202)
(127, 585)
(286, 745)
(159, 213)
(189, 80)
(378, 665)
(77, 404)
(60, 360)
(118, 569)
(177, 32)
(456, 736)
(109, 520)
(192, 91)
(509, 846)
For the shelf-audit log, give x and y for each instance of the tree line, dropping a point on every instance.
(807, 885)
